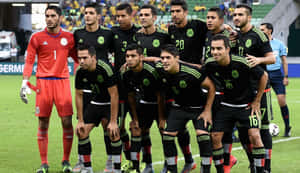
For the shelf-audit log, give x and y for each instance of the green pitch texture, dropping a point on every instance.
(19, 149)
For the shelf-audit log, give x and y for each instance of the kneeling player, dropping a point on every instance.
(104, 105)
(233, 73)
(185, 82)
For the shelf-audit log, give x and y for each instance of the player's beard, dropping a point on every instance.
(53, 26)
(242, 24)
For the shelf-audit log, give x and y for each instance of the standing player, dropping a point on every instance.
(185, 82)
(187, 35)
(151, 39)
(102, 39)
(233, 73)
(123, 36)
(214, 22)
(104, 105)
(142, 78)
(52, 47)
(274, 70)
(253, 44)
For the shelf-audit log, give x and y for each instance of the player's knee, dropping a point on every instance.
(104, 123)
(281, 100)
(135, 130)
(254, 136)
(216, 138)
(43, 122)
(67, 122)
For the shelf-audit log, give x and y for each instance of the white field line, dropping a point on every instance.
(233, 149)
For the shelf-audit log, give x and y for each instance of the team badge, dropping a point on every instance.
(182, 84)
(100, 40)
(235, 74)
(190, 32)
(248, 43)
(37, 110)
(146, 82)
(155, 43)
(100, 78)
(63, 41)
(116, 36)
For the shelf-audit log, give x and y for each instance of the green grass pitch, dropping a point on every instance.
(19, 150)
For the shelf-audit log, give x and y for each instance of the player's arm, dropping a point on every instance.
(206, 114)
(255, 105)
(191, 64)
(73, 50)
(283, 54)
(114, 106)
(132, 104)
(79, 108)
(269, 58)
(161, 110)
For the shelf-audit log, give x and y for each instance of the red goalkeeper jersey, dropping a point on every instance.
(52, 51)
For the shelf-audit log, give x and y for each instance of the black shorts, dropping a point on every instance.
(266, 108)
(226, 118)
(178, 118)
(276, 80)
(95, 113)
(147, 113)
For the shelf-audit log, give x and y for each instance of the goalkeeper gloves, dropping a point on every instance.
(24, 90)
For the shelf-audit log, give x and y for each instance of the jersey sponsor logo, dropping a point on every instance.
(37, 110)
(175, 90)
(116, 36)
(100, 40)
(190, 32)
(45, 43)
(228, 84)
(63, 41)
(100, 78)
(156, 43)
(235, 74)
(182, 84)
(146, 82)
(248, 43)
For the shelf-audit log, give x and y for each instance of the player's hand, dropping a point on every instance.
(113, 130)
(80, 128)
(252, 60)
(24, 91)
(255, 109)
(285, 81)
(206, 116)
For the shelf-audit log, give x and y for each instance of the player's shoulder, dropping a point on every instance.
(261, 35)
(209, 61)
(161, 32)
(151, 68)
(67, 33)
(196, 22)
(191, 70)
(239, 60)
(106, 66)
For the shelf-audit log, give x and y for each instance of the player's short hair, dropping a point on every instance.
(55, 8)
(86, 46)
(182, 3)
(247, 7)
(218, 10)
(221, 37)
(170, 48)
(133, 46)
(268, 26)
(153, 9)
(95, 6)
(125, 6)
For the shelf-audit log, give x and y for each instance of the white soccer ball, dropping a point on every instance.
(274, 129)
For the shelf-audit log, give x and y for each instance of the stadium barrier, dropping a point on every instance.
(8, 68)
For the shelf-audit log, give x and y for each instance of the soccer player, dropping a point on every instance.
(123, 36)
(141, 78)
(185, 82)
(277, 79)
(102, 39)
(104, 105)
(188, 35)
(254, 45)
(214, 22)
(234, 74)
(150, 37)
(52, 46)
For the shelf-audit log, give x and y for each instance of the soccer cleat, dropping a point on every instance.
(78, 167)
(108, 166)
(127, 166)
(287, 132)
(43, 169)
(233, 161)
(86, 170)
(66, 167)
(188, 167)
(148, 169)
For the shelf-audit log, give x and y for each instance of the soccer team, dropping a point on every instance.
(206, 72)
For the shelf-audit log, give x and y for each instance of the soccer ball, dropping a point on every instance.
(274, 129)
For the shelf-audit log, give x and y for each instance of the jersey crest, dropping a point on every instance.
(182, 84)
(100, 78)
(190, 32)
(146, 82)
(235, 74)
(100, 40)
(63, 41)
(156, 43)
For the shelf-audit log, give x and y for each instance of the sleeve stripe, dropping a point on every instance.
(106, 67)
(191, 71)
